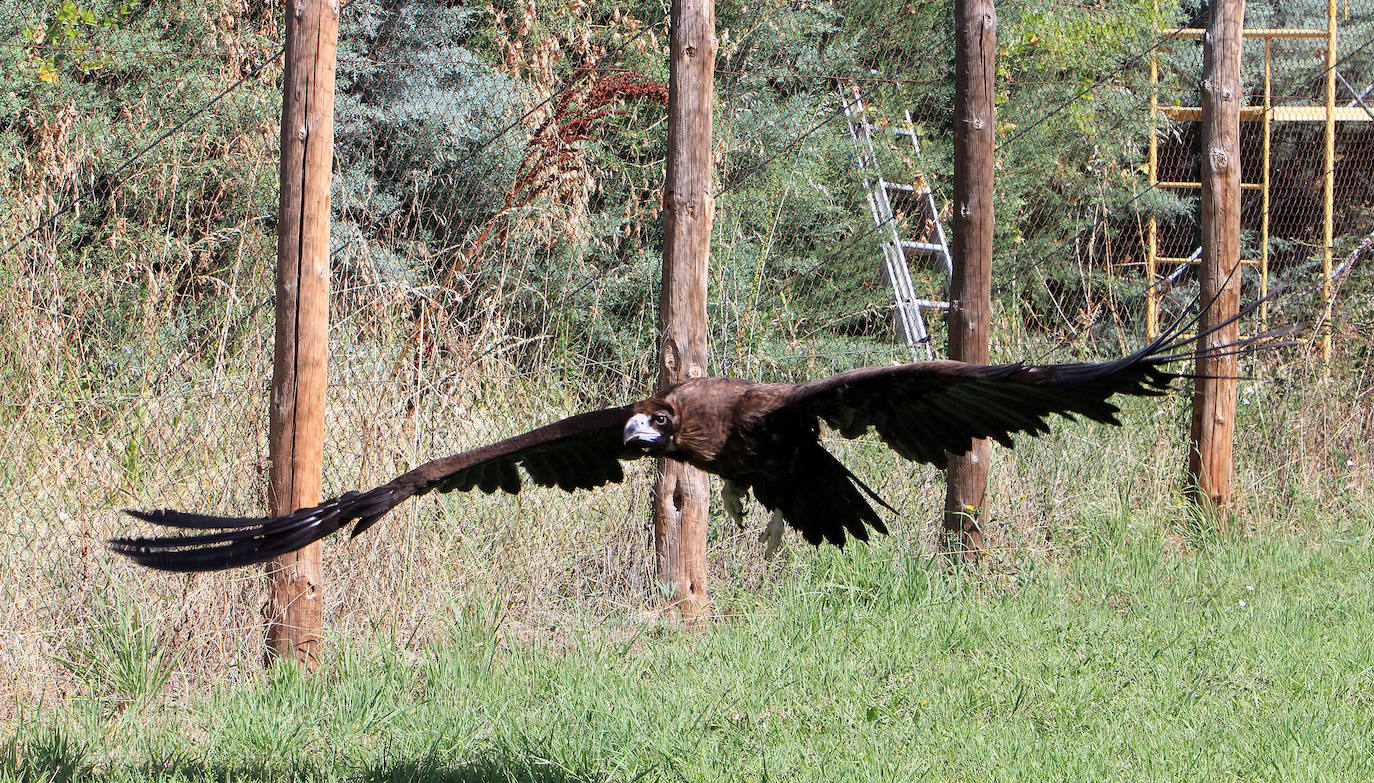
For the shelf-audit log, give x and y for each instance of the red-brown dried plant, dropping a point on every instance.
(575, 116)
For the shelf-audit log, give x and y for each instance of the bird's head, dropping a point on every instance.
(652, 427)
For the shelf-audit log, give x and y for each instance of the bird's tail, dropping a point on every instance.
(828, 503)
(244, 541)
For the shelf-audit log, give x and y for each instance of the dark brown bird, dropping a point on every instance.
(762, 438)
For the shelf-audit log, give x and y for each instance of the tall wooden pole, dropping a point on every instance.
(971, 287)
(298, 368)
(1328, 179)
(1152, 222)
(1214, 396)
(1266, 148)
(681, 492)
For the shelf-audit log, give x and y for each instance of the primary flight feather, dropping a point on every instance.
(762, 438)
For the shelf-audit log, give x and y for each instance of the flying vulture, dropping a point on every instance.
(762, 438)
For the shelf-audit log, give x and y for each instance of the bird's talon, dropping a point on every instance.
(772, 536)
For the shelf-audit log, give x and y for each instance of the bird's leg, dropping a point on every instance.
(772, 535)
(733, 499)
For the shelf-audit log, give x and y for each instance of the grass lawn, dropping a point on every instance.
(1248, 660)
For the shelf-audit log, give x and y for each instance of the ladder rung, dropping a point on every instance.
(904, 132)
(907, 191)
(1173, 185)
(931, 304)
(924, 247)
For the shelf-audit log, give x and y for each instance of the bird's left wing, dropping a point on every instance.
(579, 452)
(925, 409)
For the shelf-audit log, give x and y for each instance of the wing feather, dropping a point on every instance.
(925, 410)
(539, 470)
(579, 452)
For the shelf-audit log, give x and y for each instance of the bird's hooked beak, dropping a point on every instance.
(639, 432)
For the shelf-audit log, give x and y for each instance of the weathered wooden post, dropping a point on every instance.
(1214, 395)
(298, 367)
(975, 55)
(680, 491)
(1328, 181)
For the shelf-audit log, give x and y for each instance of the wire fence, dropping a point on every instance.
(498, 176)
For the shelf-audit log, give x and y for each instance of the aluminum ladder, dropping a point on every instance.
(907, 306)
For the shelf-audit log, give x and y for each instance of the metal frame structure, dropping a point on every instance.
(907, 306)
(1267, 113)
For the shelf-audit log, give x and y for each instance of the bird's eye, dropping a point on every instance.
(660, 419)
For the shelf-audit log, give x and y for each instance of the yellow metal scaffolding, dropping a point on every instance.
(1267, 113)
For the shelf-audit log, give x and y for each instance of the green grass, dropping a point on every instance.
(1245, 660)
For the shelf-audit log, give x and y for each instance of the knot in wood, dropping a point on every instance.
(690, 51)
(1220, 160)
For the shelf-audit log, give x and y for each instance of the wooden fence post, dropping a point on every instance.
(1328, 182)
(293, 607)
(680, 491)
(1214, 397)
(970, 311)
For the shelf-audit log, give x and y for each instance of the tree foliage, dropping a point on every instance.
(500, 166)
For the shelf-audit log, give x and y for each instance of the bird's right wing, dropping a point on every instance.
(927, 410)
(579, 452)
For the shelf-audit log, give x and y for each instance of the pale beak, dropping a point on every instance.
(638, 432)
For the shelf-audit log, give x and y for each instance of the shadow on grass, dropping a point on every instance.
(53, 758)
(55, 754)
(489, 768)
(50, 755)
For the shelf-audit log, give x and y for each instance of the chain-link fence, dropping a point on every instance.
(496, 263)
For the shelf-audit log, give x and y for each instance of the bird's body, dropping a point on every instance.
(761, 445)
(732, 445)
(762, 438)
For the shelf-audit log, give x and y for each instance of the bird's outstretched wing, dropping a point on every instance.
(925, 410)
(579, 452)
